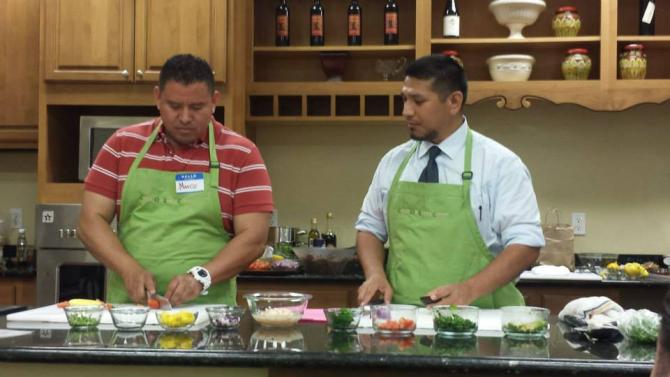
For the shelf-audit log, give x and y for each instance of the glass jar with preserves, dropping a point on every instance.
(454, 55)
(576, 65)
(566, 22)
(633, 62)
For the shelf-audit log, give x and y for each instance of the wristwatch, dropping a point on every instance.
(202, 276)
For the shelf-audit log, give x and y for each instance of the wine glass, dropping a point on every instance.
(390, 67)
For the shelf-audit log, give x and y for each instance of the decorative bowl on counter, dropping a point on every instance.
(516, 14)
(524, 321)
(176, 319)
(455, 320)
(129, 317)
(393, 319)
(513, 67)
(82, 317)
(343, 319)
(225, 317)
(277, 309)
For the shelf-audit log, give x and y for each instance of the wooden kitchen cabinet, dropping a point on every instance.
(128, 40)
(19, 31)
(17, 291)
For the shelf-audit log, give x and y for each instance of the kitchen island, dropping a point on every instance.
(307, 349)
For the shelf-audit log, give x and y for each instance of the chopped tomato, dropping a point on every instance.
(259, 265)
(63, 304)
(401, 324)
(153, 303)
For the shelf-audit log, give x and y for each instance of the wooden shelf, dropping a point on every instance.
(643, 38)
(325, 88)
(315, 49)
(531, 40)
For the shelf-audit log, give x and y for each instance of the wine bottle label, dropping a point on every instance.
(391, 23)
(317, 25)
(649, 13)
(282, 26)
(354, 25)
(452, 26)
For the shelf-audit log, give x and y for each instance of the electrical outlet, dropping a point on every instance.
(16, 217)
(579, 223)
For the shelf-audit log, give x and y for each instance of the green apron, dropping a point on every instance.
(434, 239)
(169, 232)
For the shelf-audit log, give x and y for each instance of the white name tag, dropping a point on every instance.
(190, 182)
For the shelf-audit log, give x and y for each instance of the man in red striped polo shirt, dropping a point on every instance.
(192, 198)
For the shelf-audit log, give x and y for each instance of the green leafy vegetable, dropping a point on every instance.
(342, 319)
(342, 342)
(285, 250)
(82, 320)
(453, 323)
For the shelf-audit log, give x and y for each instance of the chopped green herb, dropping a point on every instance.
(342, 319)
(453, 323)
(82, 320)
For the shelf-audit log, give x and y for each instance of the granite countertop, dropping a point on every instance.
(310, 345)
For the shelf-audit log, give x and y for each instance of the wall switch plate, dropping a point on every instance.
(579, 223)
(16, 217)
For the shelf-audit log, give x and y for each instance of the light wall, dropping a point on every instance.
(614, 166)
(18, 189)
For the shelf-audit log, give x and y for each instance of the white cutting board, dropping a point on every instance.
(54, 314)
(583, 276)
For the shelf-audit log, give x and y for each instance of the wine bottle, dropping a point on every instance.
(329, 236)
(647, 17)
(282, 24)
(354, 26)
(451, 20)
(317, 24)
(313, 233)
(391, 15)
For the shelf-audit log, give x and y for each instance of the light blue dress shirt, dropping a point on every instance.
(501, 194)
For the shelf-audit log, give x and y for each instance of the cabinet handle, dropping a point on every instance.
(125, 73)
(140, 73)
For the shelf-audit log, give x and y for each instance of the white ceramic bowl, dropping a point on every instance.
(510, 67)
(516, 14)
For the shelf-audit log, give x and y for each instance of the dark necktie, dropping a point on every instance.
(429, 173)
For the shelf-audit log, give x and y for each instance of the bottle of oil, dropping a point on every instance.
(329, 237)
(313, 233)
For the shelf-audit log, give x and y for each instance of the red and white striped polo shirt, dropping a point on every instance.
(244, 183)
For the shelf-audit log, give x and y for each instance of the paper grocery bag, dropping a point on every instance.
(559, 249)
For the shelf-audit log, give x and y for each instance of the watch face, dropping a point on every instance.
(202, 273)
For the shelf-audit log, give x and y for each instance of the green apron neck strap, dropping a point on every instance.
(213, 160)
(145, 147)
(467, 166)
(398, 173)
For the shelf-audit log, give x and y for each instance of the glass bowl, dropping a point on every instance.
(343, 319)
(129, 317)
(455, 320)
(83, 337)
(277, 309)
(225, 317)
(83, 317)
(176, 319)
(129, 339)
(524, 321)
(393, 319)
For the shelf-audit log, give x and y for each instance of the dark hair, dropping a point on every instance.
(447, 75)
(186, 69)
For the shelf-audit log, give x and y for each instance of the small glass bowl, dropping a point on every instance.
(343, 319)
(129, 317)
(176, 319)
(455, 320)
(225, 317)
(83, 337)
(129, 339)
(277, 309)
(393, 319)
(83, 317)
(524, 321)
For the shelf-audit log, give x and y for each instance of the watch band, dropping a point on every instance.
(203, 277)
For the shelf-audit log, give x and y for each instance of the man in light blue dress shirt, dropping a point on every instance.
(502, 202)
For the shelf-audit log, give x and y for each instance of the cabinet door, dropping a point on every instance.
(167, 27)
(19, 31)
(89, 40)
